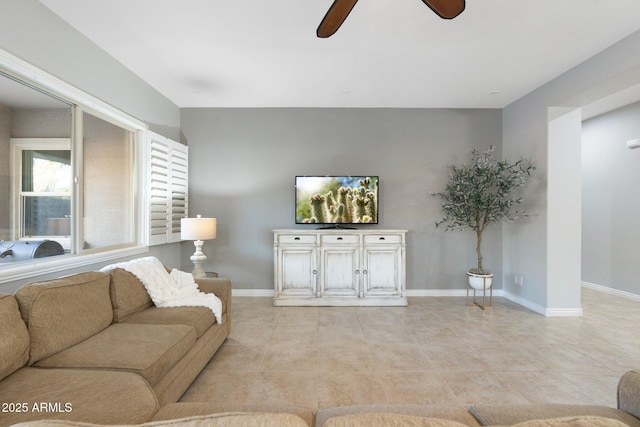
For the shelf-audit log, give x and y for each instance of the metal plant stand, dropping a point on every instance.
(474, 302)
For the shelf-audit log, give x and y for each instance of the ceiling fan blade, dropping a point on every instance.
(335, 16)
(446, 9)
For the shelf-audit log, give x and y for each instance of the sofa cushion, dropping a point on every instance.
(200, 318)
(62, 312)
(391, 420)
(14, 345)
(628, 392)
(148, 350)
(456, 413)
(388, 420)
(190, 409)
(128, 294)
(491, 415)
(106, 397)
(584, 421)
(233, 419)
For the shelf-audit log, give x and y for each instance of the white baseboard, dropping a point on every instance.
(410, 293)
(563, 312)
(548, 312)
(253, 293)
(525, 303)
(611, 291)
(446, 293)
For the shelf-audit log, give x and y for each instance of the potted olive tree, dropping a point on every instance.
(481, 193)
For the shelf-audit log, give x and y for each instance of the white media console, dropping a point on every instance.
(339, 267)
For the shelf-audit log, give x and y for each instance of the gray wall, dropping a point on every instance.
(610, 200)
(29, 31)
(526, 132)
(243, 163)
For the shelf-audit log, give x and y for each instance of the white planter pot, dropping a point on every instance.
(480, 282)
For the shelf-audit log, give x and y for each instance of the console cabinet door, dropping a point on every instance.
(296, 274)
(339, 272)
(381, 271)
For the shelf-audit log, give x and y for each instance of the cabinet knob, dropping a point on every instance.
(296, 238)
(315, 271)
(364, 271)
(382, 238)
(339, 238)
(357, 271)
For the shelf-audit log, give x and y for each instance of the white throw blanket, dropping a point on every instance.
(173, 289)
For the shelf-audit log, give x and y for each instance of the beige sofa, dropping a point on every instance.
(200, 414)
(92, 347)
(627, 413)
(215, 414)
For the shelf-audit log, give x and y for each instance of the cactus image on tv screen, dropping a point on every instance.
(336, 200)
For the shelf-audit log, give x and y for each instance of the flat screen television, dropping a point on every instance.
(336, 200)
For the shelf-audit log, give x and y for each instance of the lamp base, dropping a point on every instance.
(198, 258)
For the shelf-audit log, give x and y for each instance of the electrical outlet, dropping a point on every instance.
(518, 280)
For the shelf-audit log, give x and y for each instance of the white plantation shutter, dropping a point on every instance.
(168, 188)
(158, 190)
(179, 189)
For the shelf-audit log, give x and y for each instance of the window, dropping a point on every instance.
(42, 188)
(72, 167)
(107, 202)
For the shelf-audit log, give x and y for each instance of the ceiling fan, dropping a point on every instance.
(339, 10)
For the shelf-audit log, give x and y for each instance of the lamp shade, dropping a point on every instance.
(198, 228)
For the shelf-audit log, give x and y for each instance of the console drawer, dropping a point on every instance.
(382, 238)
(296, 238)
(340, 239)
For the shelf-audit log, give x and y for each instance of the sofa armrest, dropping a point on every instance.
(222, 289)
(629, 393)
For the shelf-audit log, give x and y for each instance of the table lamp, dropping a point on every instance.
(198, 229)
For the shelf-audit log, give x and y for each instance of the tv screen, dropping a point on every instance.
(336, 200)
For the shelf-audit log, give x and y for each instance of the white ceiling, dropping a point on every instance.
(388, 53)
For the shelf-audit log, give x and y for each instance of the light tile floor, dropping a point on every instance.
(436, 351)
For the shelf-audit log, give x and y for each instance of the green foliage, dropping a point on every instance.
(481, 192)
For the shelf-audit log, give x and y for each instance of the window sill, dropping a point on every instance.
(41, 266)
